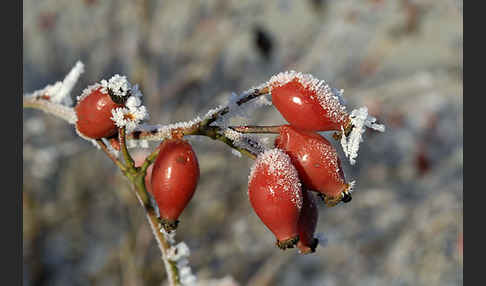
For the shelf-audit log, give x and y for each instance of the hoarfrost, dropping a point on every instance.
(246, 141)
(241, 110)
(359, 119)
(59, 92)
(129, 117)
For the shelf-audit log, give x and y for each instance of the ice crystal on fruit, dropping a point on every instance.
(118, 84)
(279, 165)
(129, 117)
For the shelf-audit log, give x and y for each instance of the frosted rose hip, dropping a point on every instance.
(275, 195)
(316, 161)
(94, 115)
(307, 103)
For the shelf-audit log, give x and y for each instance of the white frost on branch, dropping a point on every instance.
(110, 148)
(160, 132)
(360, 121)
(243, 110)
(179, 254)
(59, 92)
(246, 141)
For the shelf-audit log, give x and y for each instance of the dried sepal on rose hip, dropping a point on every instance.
(307, 224)
(275, 194)
(317, 163)
(104, 106)
(308, 103)
(175, 175)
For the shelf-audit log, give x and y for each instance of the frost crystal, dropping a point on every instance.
(134, 112)
(243, 110)
(133, 102)
(181, 250)
(236, 153)
(87, 91)
(110, 148)
(129, 117)
(165, 131)
(359, 119)
(62, 95)
(280, 166)
(351, 186)
(118, 84)
(60, 91)
(179, 254)
(245, 141)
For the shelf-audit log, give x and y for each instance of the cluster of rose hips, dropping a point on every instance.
(282, 179)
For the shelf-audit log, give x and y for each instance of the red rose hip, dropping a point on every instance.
(307, 223)
(275, 195)
(307, 103)
(94, 115)
(317, 163)
(175, 175)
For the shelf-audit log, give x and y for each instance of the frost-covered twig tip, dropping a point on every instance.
(360, 120)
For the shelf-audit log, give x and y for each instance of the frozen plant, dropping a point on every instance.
(283, 182)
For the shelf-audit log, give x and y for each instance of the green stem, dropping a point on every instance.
(123, 147)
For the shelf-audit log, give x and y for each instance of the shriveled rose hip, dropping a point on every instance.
(307, 223)
(317, 163)
(275, 195)
(93, 113)
(174, 179)
(308, 103)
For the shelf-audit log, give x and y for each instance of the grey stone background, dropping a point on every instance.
(402, 59)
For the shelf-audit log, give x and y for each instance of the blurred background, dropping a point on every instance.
(403, 59)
